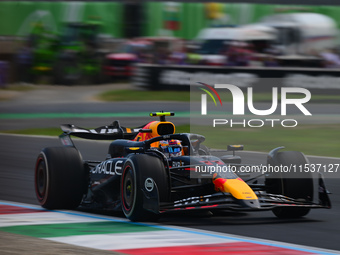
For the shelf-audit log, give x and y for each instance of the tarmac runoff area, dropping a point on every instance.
(56, 93)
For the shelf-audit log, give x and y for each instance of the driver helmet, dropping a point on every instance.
(172, 148)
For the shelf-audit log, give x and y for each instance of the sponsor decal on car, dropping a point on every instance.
(109, 167)
(149, 184)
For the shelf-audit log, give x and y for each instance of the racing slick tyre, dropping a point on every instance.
(60, 178)
(139, 171)
(297, 185)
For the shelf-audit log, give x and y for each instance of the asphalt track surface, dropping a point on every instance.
(320, 228)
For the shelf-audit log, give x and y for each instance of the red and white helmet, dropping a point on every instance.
(172, 148)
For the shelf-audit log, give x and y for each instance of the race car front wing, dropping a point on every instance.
(226, 201)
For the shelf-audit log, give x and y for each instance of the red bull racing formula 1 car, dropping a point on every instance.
(151, 170)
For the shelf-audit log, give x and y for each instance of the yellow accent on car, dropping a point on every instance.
(158, 114)
(239, 189)
(134, 148)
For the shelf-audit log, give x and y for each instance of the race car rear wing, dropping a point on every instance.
(111, 132)
(115, 131)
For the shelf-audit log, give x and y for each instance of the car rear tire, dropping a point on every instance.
(60, 178)
(295, 185)
(137, 171)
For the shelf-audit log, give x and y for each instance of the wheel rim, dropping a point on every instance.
(41, 180)
(128, 190)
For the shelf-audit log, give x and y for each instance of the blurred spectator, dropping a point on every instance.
(162, 55)
(232, 54)
(239, 54)
(273, 50)
(179, 57)
(270, 61)
(331, 58)
(24, 61)
(193, 58)
(144, 55)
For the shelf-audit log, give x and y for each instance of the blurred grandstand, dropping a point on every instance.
(260, 33)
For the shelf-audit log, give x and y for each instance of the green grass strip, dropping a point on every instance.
(186, 96)
(320, 140)
(140, 95)
(71, 229)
